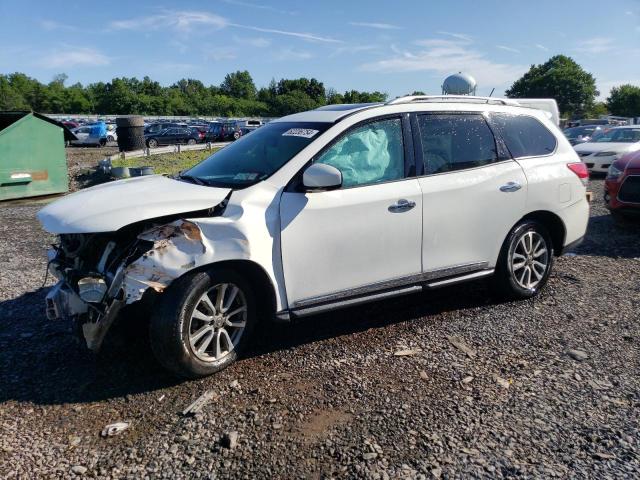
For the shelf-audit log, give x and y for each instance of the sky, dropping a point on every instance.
(395, 47)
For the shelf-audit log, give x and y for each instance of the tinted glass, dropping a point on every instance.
(368, 154)
(524, 136)
(622, 135)
(455, 142)
(255, 157)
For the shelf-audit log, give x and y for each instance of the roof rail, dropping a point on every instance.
(453, 98)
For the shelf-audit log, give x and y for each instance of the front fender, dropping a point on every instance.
(178, 248)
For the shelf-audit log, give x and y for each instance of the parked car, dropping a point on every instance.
(223, 132)
(622, 186)
(602, 151)
(577, 135)
(173, 136)
(70, 124)
(316, 211)
(112, 135)
(200, 130)
(159, 126)
(88, 135)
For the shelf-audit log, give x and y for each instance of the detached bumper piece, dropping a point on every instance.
(63, 303)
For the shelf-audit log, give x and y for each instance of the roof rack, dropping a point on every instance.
(453, 98)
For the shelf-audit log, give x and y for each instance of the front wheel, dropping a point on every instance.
(203, 322)
(525, 261)
(153, 143)
(191, 141)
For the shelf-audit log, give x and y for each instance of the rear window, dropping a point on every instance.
(524, 136)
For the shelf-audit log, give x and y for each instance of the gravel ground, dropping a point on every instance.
(541, 388)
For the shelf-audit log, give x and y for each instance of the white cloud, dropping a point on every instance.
(541, 47)
(379, 26)
(68, 56)
(302, 35)
(595, 45)
(258, 6)
(256, 42)
(181, 21)
(185, 22)
(287, 54)
(352, 50)
(460, 36)
(51, 25)
(508, 49)
(444, 57)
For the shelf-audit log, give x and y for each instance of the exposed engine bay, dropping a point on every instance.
(100, 273)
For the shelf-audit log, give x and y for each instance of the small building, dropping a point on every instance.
(32, 156)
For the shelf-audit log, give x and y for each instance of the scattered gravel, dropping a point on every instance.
(489, 389)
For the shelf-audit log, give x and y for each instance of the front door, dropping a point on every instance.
(473, 193)
(369, 231)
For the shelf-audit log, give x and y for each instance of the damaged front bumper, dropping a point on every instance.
(94, 300)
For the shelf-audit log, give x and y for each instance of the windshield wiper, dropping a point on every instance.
(191, 178)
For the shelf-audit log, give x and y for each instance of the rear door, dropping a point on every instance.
(473, 192)
(349, 241)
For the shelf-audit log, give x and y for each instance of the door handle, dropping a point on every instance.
(402, 205)
(510, 187)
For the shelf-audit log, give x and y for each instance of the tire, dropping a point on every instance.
(516, 283)
(172, 327)
(110, 138)
(130, 121)
(236, 135)
(153, 143)
(191, 141)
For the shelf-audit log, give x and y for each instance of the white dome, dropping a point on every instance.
(459, 84)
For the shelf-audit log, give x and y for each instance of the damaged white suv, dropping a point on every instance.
(315, 211)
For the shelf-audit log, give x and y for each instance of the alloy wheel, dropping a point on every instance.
(530, 260)
(217, 322)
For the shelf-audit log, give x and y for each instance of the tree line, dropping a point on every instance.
(560, 77)
(574, 90)
(237, 95)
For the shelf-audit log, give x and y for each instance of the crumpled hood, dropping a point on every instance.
(617, 147)
(111, 206)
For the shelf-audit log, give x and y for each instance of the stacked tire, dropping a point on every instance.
(130, 131)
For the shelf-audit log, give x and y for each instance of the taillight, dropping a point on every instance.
(580, 169)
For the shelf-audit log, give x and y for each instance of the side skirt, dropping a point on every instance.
(371, 294)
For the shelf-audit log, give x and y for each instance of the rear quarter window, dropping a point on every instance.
(523, 135)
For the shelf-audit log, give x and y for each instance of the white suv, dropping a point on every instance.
(320, 210)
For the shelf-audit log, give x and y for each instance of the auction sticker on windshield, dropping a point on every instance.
(300, 132)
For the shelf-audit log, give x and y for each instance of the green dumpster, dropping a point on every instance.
(32, 157)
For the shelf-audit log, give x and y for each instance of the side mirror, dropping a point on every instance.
(319, 176)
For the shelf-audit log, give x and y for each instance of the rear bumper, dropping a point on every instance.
(575, 219)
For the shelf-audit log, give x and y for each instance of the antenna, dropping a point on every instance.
(492, 90)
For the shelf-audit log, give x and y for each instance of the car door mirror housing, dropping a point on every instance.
(319, 176)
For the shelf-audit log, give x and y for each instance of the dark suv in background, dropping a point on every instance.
(223, 132)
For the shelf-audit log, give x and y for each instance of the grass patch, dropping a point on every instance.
(167, 163)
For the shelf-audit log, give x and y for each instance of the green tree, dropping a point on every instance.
(624, 101)
(561, 78)
(239, 84)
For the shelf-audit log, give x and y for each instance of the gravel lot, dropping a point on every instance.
(487, 389)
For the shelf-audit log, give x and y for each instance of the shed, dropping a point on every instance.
(32, 156)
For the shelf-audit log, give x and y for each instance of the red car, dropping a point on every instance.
(622, 185)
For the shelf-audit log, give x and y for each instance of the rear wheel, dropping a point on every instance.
(203, 322)
(153, 143)
(191, 141)
(525, 261)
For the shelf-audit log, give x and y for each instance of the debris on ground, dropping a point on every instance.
(462, 346)
(407, 352)
(115, 429)
(230, 440)
(199, 403)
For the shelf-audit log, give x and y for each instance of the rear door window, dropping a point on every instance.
(453, 142)
(523, 135)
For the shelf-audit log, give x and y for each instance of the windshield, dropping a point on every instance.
(254, 157)
(622, 135)
(576, 132)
